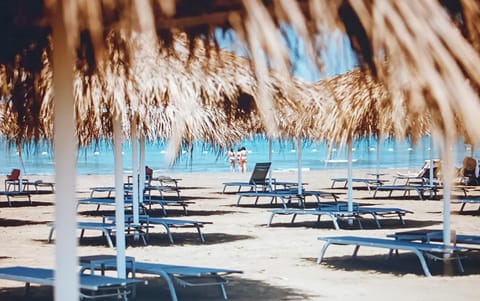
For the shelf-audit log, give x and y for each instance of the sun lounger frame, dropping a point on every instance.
(420, 189)
(105, 286)
(464, 201)
(435, 235)
(14, 194)
(336, 213)
(168, 223)
(286, 196)
(368, 182)
(107, 230)
(422, 250)
(182, 275)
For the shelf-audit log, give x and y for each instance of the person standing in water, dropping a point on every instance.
(232, 157)
(242, 159)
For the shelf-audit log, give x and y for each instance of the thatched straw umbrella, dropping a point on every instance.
(208, 95)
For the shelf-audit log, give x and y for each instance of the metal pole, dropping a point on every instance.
(65, 146)
(119, 198)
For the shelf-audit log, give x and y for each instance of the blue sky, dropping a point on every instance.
(337, 58)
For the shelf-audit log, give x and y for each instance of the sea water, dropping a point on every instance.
(202, 158)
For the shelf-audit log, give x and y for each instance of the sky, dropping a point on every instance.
(338, 58)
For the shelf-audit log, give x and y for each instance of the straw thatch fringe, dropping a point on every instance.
(180, 94)
(432, 48)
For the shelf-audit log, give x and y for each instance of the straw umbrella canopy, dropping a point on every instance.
(424, 43)
(208, 95)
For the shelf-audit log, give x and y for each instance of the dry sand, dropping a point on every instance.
(278, 262)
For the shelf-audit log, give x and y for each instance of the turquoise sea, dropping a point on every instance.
(98, 159)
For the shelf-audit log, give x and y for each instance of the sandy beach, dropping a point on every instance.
(278, 262)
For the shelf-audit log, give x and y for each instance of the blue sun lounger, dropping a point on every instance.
(107, 230)
(168, 223)
(422, 250)
(336, 213)
(91, 286)
(180, 274)
(466, 200)
(14, 193)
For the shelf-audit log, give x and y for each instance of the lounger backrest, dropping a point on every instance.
(260, 172)
(14, 175)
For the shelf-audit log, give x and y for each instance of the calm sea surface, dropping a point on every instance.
(99, 159)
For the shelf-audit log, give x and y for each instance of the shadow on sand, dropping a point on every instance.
(6, 222)
(161, 239)
(238, 289)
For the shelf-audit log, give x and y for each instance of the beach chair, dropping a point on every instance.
(422, 176)
(13, 179)
(167, 223)
(423, 250)
(91, 286)
(107, 229)
(172, 274)
(258, 179)
(339, 211)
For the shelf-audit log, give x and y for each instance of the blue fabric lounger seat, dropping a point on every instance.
(466, 200)
(13, 194)
(107, 230)
(421, 249)
(339, 211)
(436, 235)
(167, 223)
(335, 215)
(420, 189)
(91, 286)
(179, 274)
(367, 181)
(186, 275)
(286, 196)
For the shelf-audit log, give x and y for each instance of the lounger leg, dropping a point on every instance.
(29, 199)
(170, 285)
(360, 225)
(423, 262)
(335, 222)
(202, 239)
(108, 237)
(27, 289)
(461, 208)
(375, 218)
(50, 235)
(293, 218)
(355, 251)
(238, 200)
(8, 201)
(169, 233)
(224, 291)
(400, 217)
(271, 218)
(322, 252)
